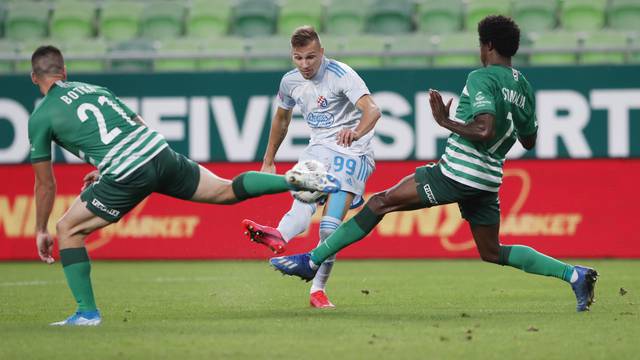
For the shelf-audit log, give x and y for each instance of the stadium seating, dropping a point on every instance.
(364, 44)
(120, 19)
(583, 15)
(407, 27)
(176, 47)
(73, 20)
(296, 13)
(132, 46)
(557, 41)
(27, 20)
(276, 50)
(625, 15)
(223, 46)
(162, 20)
(390, 17)
(254, 18)
(208, 18)
(6, 48)
(3, 16)
(332, 44)
(604, 39)
(635, 56)
(539, 15)
(439, 17)
(92, 47)
(479, 9)
(409, 43)
(458, 41)
(26, 48)
(345, 17)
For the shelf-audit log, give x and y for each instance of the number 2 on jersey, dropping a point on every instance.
(105, 136)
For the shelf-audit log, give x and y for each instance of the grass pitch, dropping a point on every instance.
(385, 310)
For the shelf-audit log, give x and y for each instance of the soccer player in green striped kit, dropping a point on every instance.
(496, 109)
(132, 162)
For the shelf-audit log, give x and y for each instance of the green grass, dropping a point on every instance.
(413, 309)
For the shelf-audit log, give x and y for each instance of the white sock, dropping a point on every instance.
(322, 276)
(328, 225)
(296, 220)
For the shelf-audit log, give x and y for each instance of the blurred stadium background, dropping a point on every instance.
(204, 73)
(212, 35)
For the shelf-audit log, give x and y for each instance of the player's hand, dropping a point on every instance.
(44, 243)
(438, 108)
(268, 168)
(90, 178)
(347, 136)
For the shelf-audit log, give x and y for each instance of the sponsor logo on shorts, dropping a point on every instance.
(430, 196)
(99, 205)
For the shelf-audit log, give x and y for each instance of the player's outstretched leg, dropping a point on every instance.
(527, 259)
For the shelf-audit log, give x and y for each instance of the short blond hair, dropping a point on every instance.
(303, 36)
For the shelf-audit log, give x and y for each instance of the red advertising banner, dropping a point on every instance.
(564, 208)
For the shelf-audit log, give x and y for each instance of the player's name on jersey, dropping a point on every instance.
(513, 97)
(74, 94)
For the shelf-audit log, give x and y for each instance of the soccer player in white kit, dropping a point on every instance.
(338, 107)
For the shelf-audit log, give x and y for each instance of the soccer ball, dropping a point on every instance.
(306, 196)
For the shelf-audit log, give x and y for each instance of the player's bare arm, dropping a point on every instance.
(370, 115)
(529, 142)
(279, 127)
(482, 128)
(45, 193)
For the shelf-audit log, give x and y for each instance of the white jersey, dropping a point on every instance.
(327, 102)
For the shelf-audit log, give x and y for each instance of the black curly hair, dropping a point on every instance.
(502, 32)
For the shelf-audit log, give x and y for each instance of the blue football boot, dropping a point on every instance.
(295, 265)
(584, 287)
(81, 318)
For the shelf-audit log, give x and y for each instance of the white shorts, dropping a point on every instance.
(352, 171)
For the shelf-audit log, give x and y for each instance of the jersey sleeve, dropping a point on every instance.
(285, 100)
(130, 113)
(528, 125)
(40, 137)
(481, 94)
(352, 85)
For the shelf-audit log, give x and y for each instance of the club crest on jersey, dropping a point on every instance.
(322, 101)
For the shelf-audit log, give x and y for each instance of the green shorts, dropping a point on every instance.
(477, 206)
(167, 173)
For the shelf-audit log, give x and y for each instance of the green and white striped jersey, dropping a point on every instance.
(505, 93)
(93, 124)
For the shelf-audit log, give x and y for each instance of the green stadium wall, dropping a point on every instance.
(583, 112)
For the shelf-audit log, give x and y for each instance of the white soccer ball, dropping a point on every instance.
(306, 196)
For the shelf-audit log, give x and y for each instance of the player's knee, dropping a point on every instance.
(63, 229)
(380, 203)
(489, 255)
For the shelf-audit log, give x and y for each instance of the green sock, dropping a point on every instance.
(253, 183)
(349, 232)
(77, 270)
(533, 262)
